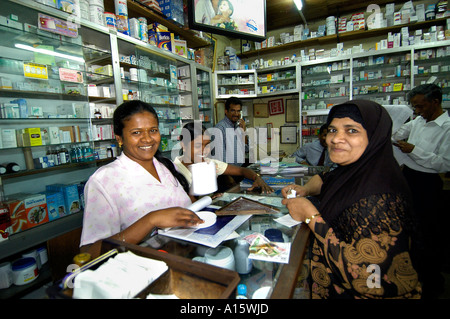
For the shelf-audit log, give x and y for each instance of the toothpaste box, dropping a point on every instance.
(27, 211)
(71, 197)
(55, 205)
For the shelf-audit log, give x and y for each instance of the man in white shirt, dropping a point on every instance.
(426, 141)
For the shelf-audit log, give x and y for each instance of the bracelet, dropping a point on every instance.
(257, 175)
(308, 220)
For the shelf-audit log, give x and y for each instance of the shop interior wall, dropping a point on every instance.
(279, 120)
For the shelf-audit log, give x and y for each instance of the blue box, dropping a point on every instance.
(55, 205)
(71, 197)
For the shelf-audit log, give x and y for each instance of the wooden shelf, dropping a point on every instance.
(340, 37)
(136, 9)
(39, 234)
(55, 168)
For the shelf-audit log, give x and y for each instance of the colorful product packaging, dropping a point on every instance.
(71, 197)
(27, 211)
(164, 40)
(55, 205)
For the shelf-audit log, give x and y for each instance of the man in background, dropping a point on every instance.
(426, 141)
(314, 153)
(234, 146)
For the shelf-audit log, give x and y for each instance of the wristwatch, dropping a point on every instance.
(308, 220)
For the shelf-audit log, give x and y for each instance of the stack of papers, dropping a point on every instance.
(121, 277)
(283, 168)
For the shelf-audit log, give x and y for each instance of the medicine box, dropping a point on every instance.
(32, 136)
(164, 40)
(55, 205)
(71, 197)
(27, 211)
(9, 139)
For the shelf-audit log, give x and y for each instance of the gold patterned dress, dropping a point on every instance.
(371, 260)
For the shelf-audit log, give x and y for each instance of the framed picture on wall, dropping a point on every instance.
(292, 111)
(260, 110)
(288, 134)
(276, 107)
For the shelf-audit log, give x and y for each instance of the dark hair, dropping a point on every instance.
(230, 6)
(123, 112)
(345, 110)
(194, 131)
(323, 128)
(232, 100)
(430, 91)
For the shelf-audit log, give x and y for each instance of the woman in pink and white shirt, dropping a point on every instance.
(140, 190)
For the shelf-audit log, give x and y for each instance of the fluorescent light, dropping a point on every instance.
(49, 52)
(299, 4)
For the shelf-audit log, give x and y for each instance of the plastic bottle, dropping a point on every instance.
(64, 155)
(87, 153)
(241, 292)
(243, 263)
(97, 114)
(2, 169)
(79, 154)
(130, 95)
(73, 155)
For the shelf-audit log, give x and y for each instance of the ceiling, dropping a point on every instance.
(284, 13)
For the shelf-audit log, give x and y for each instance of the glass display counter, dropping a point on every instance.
(275, 280)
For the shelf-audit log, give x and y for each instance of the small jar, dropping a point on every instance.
(243, 264)
(82, 259)
(24, 270)
(6, 277)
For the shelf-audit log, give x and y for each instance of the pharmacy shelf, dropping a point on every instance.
(339, 37)
(39, 234)
(54, 169)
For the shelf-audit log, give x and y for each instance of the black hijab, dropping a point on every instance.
(375, 172)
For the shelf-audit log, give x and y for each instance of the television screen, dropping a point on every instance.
(245, 19)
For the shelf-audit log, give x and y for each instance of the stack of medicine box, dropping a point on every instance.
(173, 9)
(72, 202)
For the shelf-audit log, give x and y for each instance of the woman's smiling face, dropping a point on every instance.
(347, 140)
(140, 137)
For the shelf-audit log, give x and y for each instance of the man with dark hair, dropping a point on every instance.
(233, 127)
(426, 141)
(233, 143)
(315, 153)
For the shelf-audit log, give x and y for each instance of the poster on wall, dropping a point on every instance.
(292, 111)
(260, 110)
(245, 19)
(288, 134)
(276, 107)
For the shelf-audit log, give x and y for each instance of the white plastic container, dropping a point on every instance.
(110, 20)
(43, 255)
(221, 257)
(6, 276)
(24, 271)
(96, 15)
(34, 254)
